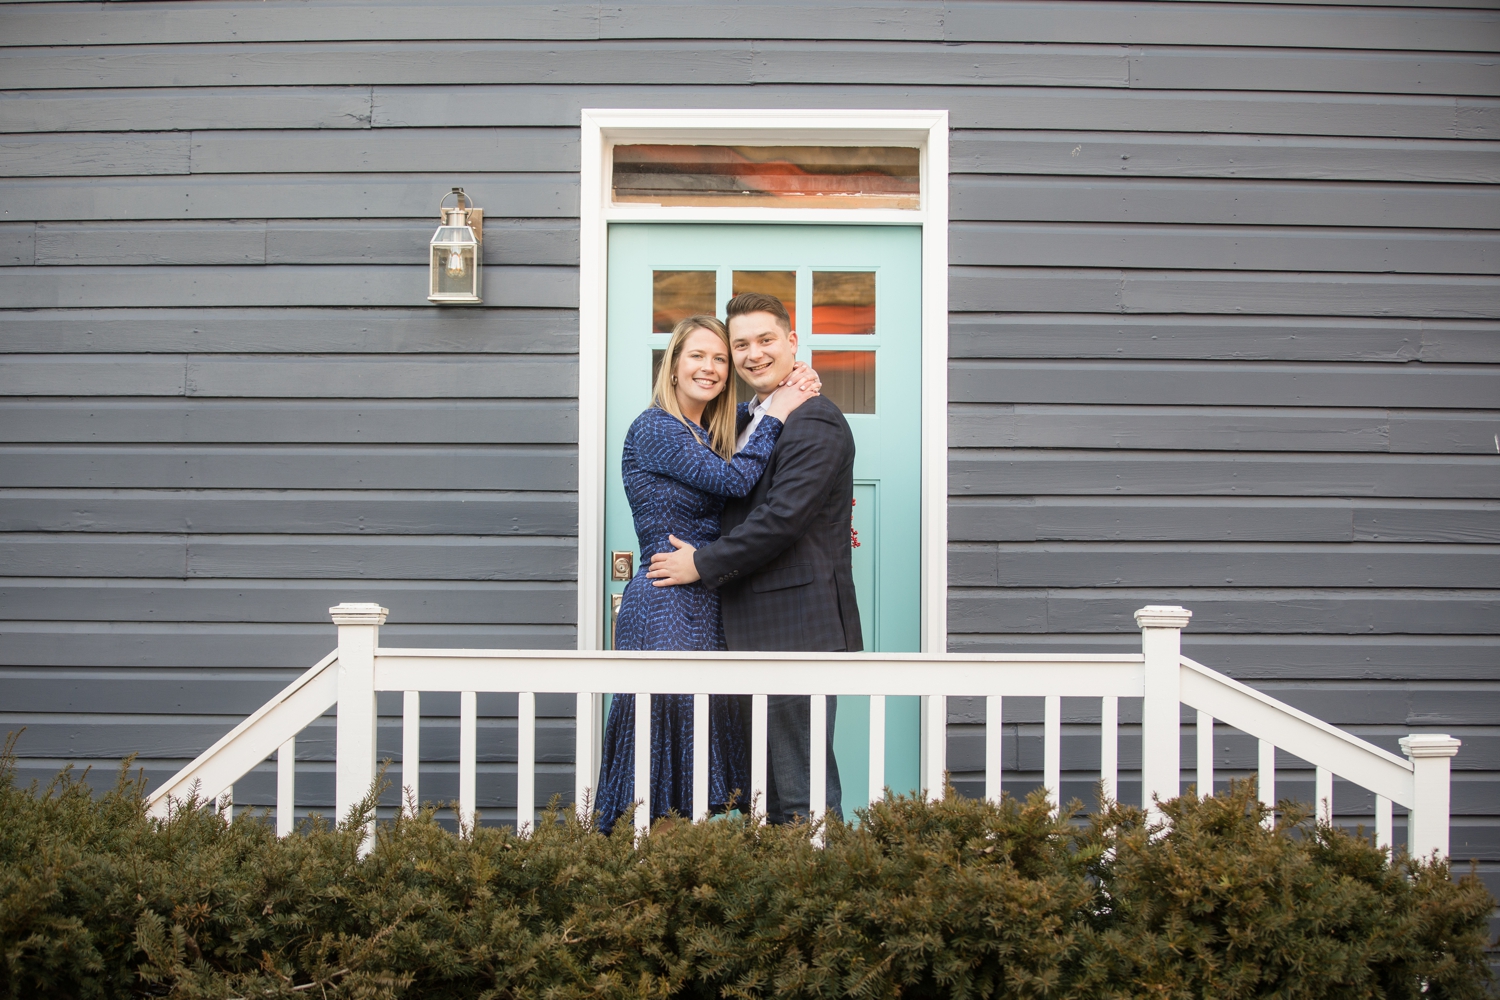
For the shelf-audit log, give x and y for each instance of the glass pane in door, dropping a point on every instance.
(843, 302)
(676, 295)
(848, 378)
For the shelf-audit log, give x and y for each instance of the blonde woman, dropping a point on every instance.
(679, 466)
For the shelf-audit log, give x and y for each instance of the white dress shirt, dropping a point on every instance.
(756, 412)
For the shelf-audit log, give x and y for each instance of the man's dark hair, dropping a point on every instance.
(756, 302)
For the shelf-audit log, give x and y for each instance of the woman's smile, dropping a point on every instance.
(702, 372)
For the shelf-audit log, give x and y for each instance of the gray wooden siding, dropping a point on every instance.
(1225, 322)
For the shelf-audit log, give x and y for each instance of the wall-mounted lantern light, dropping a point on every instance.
(455, 257)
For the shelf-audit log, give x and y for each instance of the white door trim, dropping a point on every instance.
(602, 128)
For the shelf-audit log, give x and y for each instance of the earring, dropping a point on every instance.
(674, 379)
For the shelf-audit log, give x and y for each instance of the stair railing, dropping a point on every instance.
(352, 675)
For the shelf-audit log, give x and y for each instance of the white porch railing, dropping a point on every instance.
(351, 676)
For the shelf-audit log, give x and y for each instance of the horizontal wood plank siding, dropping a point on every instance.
(1224, 331)
(1058, 21)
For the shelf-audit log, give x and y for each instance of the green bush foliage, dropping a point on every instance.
(958, 898)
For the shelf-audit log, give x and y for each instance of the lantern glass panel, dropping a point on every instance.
(452, 269)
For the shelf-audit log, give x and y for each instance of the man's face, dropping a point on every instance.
(763, 351)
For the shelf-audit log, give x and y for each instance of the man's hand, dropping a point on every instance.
(672, 569)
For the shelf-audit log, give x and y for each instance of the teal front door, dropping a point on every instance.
(854, 293)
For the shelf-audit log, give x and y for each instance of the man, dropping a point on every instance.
(782, 564)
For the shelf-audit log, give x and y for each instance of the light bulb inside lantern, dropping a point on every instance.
(455, 263)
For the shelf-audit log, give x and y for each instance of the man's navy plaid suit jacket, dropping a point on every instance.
(782, 564)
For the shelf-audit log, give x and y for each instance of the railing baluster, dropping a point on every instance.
(1205, 776)
(1052, 749)
(584, 727)
(877, 748)
(700, 757)
(643, 762)
(1109, 746)
(1323, 795)
(468, 756)
(758, 720)
(1385, 826)
(226, 804)
(934, 745)
(525, 761)
(994, 747)
(286, 787)
(411, 751)
(817, 778)
(1266, 780)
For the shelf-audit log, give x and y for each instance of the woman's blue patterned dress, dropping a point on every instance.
(676, 486)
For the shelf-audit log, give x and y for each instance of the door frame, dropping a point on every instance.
(601, 130)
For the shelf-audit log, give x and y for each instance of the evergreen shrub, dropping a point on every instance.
(958, 898)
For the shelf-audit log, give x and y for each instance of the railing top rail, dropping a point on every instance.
(653, 656)
(763, 673)
(1296, 713)
(179, 784)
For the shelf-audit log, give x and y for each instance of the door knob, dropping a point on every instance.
(615, 600)
(621, 565)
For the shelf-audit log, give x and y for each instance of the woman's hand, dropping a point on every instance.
(802, 372)
(792, 395)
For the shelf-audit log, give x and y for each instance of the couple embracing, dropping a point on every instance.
(742, 514)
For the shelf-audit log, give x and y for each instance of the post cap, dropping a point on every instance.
(1162, 616)
(1430, 745)
(358, 614)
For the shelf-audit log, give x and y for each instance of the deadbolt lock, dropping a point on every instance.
(621, 565)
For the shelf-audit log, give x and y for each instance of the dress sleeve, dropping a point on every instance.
(666, 446)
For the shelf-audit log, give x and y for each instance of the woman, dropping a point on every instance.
(679, 465)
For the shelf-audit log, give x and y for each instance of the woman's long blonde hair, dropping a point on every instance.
(719, 414)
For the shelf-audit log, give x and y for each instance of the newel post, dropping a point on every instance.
(1161, 714)
(1427, 825)
(354, 769)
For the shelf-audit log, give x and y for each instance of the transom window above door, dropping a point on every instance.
(767, 176)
